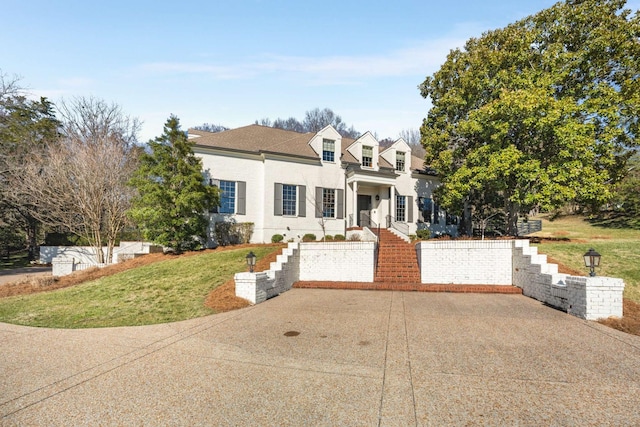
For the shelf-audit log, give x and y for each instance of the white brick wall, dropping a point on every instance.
(595, 298)
(337, 261)
(466, 262)
(589, 298)
(284, 272)
(502, 262)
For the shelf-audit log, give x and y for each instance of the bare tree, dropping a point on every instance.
(80, 181)
(210, 127)
(314, 120)
(412, 137)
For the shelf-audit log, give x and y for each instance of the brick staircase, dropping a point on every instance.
(397, 262)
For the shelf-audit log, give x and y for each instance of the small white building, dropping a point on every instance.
(292, 183)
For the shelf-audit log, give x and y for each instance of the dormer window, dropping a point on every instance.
(367, 156)
(400, 161)
(328, 150)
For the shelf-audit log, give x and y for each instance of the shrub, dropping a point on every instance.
(423, 234)
(328, 238)
(354, 238)
(230, 233)
(277, 238)
(244, 231)
(309, 237)
(338, 237)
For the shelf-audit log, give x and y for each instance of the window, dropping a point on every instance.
(328, 150)
(233, 197)
(227, 197)
(401, 208)
(400, 161)
(328, 203)
(367, 156)
(289, 198)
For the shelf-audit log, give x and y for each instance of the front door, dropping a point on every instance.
(364, 210)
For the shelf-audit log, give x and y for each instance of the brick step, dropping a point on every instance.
(397, 268)
(397, 254)
(383, 277)
(381, 274)
(397, 261)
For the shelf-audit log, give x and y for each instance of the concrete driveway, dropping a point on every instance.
(330, 357)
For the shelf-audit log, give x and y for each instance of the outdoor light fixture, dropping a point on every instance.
(592, 260)
(377, 197)
(251, 261)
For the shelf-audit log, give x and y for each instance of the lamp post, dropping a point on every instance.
(592, 260)
(251, 261)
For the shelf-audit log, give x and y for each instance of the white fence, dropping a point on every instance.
(67, 259)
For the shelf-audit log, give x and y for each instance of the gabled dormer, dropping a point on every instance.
(365, 150)
(327, 143)
(398, 155)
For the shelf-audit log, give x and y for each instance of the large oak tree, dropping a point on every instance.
(539, 113)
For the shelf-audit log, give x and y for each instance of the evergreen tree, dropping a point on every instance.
(172, 199)
(26, 126)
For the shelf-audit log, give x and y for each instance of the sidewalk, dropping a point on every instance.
(330, 357)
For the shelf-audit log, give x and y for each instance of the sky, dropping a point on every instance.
(234, 62)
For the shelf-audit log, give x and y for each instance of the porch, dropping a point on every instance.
(374, 202)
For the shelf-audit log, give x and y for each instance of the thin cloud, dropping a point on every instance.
(419, 59)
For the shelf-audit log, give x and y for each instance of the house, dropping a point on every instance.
(292, 183)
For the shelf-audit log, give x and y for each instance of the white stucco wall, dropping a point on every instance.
(311, 175)
(238, 167)
(79, 254)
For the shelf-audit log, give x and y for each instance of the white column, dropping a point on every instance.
(355, 213)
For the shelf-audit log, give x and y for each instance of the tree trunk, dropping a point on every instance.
(466, 223)
(513, 209)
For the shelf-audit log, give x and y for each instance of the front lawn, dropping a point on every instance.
(166, 291)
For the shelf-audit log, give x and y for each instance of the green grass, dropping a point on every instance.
(619, 247)
(165, 291)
